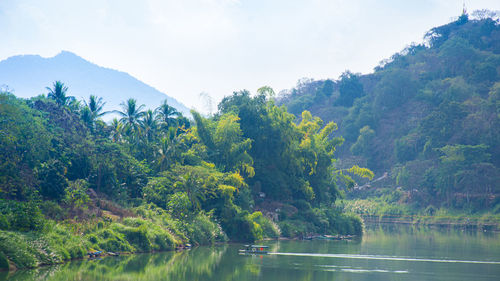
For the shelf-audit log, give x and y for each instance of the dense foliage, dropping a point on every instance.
(428, 117)
(154, 180)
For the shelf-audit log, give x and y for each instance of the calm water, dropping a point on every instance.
(384, 253)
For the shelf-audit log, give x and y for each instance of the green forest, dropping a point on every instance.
(152, 179)
(426, 122)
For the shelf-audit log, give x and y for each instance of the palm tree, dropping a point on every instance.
(96, 105)
(131, 114)
(92, 110)
(169, 150)
(116, 130)
(149, 125)
(166, 114)
(86, 117)
(58, 93)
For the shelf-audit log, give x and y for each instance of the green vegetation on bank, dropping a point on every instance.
(155, 180)
(426, 121)
(376, 209)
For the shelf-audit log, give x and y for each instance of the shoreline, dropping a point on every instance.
(472, 223)
(13, 268)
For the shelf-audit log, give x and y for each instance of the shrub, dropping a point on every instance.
(111, 241)
(203, 230)
(269, 228)
(137, 237)
(179, 204)
(16, 248)
(52, 180)
(76, 194)
(4, 222)
(21, 216)
(52, 210)
(62, 243)
(4, 262)
(163, 240)
(294, 228)
(242, 228)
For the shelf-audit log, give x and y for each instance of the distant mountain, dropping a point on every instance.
(28, 75)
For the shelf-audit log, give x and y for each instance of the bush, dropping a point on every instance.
(4, 222)
(76, 194)
(179, 204)
(242, 228)
(322, 221)
(111, 241)
(137, 237)
(4, 262)
(392, 210)
(21, 216)
(158, 190)
(144, 235)
(16, 248)
(354, 224)
(269, 228)
(52, 180)
(203, 230)
(62, 243)
(294, 228)
(52, 210)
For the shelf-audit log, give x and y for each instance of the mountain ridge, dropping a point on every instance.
(427, 117)
(82, 77)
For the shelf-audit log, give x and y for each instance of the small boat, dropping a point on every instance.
(94, 254)
(254, 250)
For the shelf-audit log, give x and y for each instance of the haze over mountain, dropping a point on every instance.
(28, 75)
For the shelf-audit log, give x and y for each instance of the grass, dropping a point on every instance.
(30, 249)
(403, 212)
(152, 229)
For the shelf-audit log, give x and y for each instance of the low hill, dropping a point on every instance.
(28, 75)
(428, 117)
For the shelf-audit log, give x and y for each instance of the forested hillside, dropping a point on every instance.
(426, 121)
(155, 180)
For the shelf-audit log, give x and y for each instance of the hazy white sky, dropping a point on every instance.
(187, 47)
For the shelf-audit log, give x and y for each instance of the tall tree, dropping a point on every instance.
(58, 93)
(96, 106)
(116, 130)
(149, 125)
(93, 110)
(131, 114)
(167, 114)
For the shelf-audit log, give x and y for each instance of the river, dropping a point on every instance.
(391, 252)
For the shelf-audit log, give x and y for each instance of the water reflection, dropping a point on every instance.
(384, 253)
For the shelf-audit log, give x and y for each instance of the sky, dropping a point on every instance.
(185, 48)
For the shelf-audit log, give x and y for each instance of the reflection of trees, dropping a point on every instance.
(221, 263)
(196, 264)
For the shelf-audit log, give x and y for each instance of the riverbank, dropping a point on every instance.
(463, 222)
(379, 211)
(150, 230)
